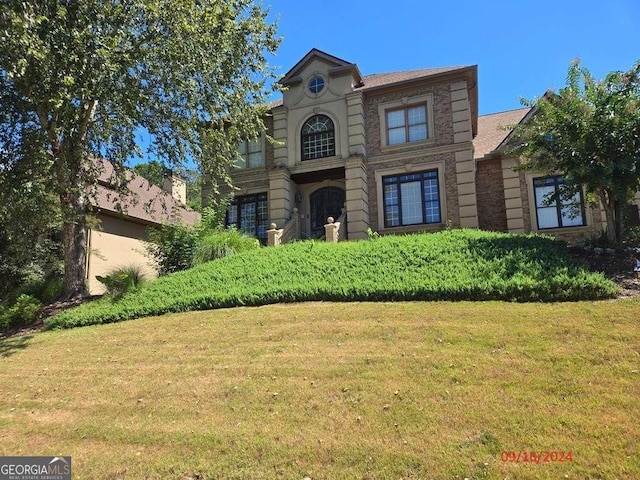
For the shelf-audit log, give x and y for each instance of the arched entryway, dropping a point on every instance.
(324, 202)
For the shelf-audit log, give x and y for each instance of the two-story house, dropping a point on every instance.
(399, 152)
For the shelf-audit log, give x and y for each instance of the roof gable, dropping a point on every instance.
(491, 134)
(337, 65)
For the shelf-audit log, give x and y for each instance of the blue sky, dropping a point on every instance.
(521, 47)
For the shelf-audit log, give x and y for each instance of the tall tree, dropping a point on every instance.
(590, 131)
(78, 80)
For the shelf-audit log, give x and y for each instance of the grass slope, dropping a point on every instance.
(452, 265)
(415, 390)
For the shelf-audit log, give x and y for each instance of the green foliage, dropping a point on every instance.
(155, 172)
(171, 247)
(22, 312)
(223, 243)
(79, 80)
(372, 234)
(455, 265)
(122, 279)
(46, 289)
(590, 131)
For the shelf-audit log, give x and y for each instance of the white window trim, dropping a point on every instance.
(406, 102)
(262, 150)
(404, 170)
(588, 214)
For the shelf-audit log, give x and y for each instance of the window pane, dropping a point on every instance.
(318, 138)
(248, 218)
(572, 212)
(396, 136)
(395, 119)
(232, 215)
(417, 115)
(255, 146)
(433, 212)
(392, 216)
(410, 196)
(255, 160)
(547, 217)
(391, 194)
(417, 132)
(432, 200)
(543, 194)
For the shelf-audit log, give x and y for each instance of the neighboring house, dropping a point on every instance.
(123, 220)
(400, 152)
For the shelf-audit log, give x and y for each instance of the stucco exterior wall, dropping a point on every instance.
(117, 243)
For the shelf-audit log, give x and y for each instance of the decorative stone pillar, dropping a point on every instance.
(331, 230)
(512, 196)
(356, 198)
(280, 190)
(274, 236)
(466, 181)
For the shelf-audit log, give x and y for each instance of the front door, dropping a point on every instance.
(325, 202)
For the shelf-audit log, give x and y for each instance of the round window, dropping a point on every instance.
(316, 84)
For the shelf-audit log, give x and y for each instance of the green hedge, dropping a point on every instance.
(450, 265)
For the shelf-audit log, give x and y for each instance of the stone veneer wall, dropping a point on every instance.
(492, 214)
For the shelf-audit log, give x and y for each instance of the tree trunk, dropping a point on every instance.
(74, 239)
(612, 215)
(70, 171)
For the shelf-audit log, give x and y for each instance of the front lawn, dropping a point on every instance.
(422, 390)
(450, 265)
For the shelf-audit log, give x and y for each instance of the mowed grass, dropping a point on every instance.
(333, 391)
(449, 265)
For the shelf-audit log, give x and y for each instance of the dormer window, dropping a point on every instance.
(316, 84)
(318, 138)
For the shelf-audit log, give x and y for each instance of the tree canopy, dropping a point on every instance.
(80, 80)
(590, 131)
(155, 173)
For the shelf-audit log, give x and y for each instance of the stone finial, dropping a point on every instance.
(330, 220)
(273, 226)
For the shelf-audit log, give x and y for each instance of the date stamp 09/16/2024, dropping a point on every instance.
(542, 456)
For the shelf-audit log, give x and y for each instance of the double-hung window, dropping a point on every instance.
(249, 213)
(411, 199)
(408, 124)
(555, 211)
(251, 154)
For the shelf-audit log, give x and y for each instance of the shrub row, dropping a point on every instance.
(451, 265)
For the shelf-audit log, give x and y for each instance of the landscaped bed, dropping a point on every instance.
(450, 265)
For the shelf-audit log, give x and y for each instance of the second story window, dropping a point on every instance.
(407, 124)
(318, 138)
(251, 154)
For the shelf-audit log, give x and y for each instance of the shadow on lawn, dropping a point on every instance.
(11, 345)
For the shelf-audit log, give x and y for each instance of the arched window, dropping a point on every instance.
(318, 138)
